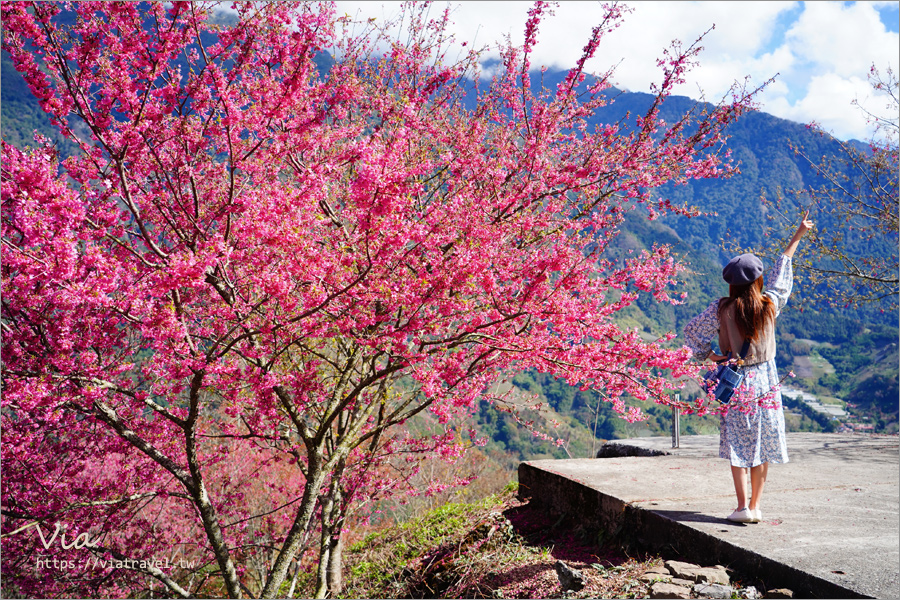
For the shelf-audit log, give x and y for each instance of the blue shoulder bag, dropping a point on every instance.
(724, 378)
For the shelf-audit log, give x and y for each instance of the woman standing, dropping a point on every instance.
(752, 436)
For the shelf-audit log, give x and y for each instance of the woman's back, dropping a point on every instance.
(731, 339)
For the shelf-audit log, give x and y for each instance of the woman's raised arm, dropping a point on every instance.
(805, 225)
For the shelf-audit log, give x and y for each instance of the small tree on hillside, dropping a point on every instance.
(851, 257)
(258, 272)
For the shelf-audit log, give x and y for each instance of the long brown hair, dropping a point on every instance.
(752, 309)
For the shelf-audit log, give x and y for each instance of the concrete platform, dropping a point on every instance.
(831, 516)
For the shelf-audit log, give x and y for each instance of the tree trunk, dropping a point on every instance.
(290, 593)
(328, 574)
(295, 537)
(335, 563)
(324, 555)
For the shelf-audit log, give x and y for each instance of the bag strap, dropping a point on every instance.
(743, 354)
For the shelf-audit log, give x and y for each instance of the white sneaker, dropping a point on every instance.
(757, 515)
(741, 515)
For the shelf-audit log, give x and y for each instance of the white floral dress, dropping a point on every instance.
(753, 434)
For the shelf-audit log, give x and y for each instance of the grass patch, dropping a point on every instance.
(496, 548)
(379, 564)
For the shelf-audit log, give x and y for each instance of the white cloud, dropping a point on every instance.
(822, 58)
(741, 30)
(826, 98)
(833, 46)
(842, 39)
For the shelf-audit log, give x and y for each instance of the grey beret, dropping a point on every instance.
(742, 269)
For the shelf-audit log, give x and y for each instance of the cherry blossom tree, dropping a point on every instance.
(257, 272)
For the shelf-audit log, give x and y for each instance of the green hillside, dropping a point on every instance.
(20, 114)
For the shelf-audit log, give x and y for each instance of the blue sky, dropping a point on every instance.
(821, 51)
(890, 16)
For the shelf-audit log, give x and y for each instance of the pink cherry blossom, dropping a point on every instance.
(230, 321)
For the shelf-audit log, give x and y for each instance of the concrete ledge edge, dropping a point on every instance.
(611, 520)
